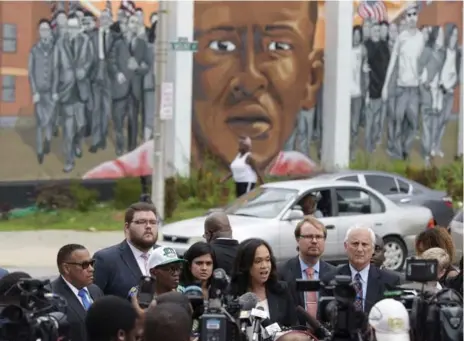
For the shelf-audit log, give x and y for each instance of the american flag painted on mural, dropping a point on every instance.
(373, 9)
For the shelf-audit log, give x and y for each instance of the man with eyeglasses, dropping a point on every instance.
(120, 267)
(75, 284)
(310, 235)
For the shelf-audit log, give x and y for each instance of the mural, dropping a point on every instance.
(78, 101)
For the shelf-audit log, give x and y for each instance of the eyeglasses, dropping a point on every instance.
(411, 14)
(172, 269)
(84, 265)
(317, 237)
(145, 222)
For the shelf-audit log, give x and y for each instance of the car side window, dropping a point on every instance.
(354, 194)
(403, 186)
(365, 203)
(381, 183)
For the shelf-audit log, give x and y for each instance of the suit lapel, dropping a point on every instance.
(128, 257)
(73, 302)
(374, 288)
(273, 303)
(296, 271)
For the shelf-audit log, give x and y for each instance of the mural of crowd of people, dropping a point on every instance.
(83, 77)
(257, 72)
(404, 82)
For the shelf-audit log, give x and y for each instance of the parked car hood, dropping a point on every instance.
(194, 227)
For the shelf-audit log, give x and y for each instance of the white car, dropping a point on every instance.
(455, 228)
(272, 211)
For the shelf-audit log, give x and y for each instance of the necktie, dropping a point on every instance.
(358, 302)
(145, 262)
(311, 296)
(84, 298)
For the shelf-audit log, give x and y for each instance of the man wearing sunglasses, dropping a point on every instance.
(75, 284)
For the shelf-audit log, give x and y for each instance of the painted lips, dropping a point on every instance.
(254, 126)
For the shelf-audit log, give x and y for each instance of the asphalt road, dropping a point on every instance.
(35, 252)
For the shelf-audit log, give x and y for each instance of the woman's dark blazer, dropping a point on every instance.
(281, 305)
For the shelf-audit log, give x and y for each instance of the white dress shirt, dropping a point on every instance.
(138, 257)
(364, 273)
(76, 292)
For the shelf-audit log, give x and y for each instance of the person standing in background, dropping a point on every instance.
(243, 168)
(149, 105)
(390, 103)
(41, 73)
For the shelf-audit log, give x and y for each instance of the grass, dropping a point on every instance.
(103, 218)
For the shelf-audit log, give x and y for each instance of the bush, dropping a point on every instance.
(65, 196)
(126, 192)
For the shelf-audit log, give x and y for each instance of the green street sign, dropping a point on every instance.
(183, 44)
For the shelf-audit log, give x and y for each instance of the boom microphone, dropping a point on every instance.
(318, 329)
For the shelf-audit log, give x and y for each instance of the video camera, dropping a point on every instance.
(435, 314)
(336, 309)
(30, 312)
(220, 312)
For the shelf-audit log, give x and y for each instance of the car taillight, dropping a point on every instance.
(431, 223)
(448, 201)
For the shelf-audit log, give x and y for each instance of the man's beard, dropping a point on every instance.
(141, 243)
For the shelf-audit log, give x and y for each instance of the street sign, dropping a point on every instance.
(167, 101)
(183, 44)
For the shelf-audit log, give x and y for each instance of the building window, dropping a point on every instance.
(8, 88)
(9, 38)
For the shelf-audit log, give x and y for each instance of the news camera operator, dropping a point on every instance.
(369, 281)
(254, 270)
(443, 260)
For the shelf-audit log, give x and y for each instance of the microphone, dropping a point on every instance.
(270, 328)
(318, 329)
(247, 302)
(258, 315)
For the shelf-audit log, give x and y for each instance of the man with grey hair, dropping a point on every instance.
(218, 233)
(443, 260)
(369, 281)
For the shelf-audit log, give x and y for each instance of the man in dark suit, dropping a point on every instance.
(118, 268)
(218, 233)
(75, 285)
(369, 281)
(310, 235)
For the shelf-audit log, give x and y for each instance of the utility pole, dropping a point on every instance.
(161, 60)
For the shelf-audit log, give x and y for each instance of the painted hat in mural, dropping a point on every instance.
(163, 256)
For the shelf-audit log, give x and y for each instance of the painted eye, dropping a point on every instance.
(275, 45)
(222, 45)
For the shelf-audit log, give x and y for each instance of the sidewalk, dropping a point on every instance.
(35, 251)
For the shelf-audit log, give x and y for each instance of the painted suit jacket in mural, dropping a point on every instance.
(68, 58)
(41, 73)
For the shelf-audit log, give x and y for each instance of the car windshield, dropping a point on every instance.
(262, 202)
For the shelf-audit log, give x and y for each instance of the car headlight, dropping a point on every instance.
(196, 239)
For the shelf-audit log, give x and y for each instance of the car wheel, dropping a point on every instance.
(395, 253)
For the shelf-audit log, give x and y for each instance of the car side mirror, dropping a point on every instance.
(294, 214)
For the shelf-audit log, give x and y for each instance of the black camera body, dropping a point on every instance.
(36, 314)
(336, 307)
(220, 312)
(435, 315)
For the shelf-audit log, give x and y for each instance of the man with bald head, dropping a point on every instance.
(218, 233)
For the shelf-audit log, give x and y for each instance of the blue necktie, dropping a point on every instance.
(85, 298)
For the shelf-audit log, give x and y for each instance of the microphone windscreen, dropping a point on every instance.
(248, 301)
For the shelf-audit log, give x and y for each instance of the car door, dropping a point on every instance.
(365, 208)
(287, 229)
(385, 184)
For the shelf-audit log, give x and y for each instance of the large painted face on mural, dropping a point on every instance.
(253, 73)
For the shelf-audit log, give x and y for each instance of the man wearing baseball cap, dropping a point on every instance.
(389, 321)
(165, 267)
